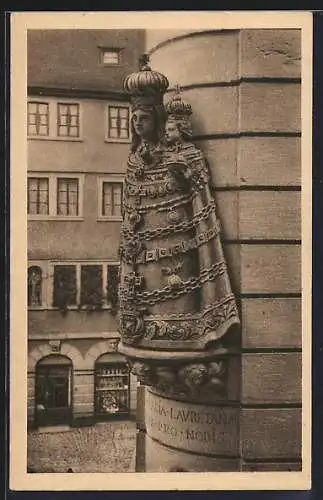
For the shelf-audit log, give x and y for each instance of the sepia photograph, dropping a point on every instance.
(165, 209)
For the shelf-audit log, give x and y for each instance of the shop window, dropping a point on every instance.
(53, 391)
(112, 386)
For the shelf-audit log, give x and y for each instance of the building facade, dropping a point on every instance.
(78, 130)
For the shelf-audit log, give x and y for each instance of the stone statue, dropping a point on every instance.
(175, 293)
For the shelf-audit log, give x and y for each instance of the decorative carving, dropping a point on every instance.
(190, 380)
(173, 279)
(174, 331)
(113, 344)
(171, 235)
(131, 248)
(143, 372)
(55, 345)
(132, 326)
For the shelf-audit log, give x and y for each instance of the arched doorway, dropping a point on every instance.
(53, 391)
(112, 386)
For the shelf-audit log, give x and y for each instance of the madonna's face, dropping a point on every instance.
(144, 124)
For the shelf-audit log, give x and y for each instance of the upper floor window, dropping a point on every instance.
(38, 196)
(68, 120)
(118, 123)
(110, 197)
(50, 119)
(38, 118)
(55, 196)
(67, 196)
(110, 57)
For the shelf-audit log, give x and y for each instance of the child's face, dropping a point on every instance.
(172, 133)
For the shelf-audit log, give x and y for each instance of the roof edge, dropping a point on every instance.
(112, 94)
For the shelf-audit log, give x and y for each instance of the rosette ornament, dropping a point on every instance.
(146, 86)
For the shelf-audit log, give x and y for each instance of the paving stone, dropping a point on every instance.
(104, 447)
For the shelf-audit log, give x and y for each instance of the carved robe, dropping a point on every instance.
(175, 291)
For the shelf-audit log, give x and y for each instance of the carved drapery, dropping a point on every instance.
(175, 292)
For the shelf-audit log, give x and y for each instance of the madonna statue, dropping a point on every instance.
(175, 296)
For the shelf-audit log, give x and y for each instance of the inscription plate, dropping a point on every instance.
(193, 427)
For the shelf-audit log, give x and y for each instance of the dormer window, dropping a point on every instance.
(110, 57)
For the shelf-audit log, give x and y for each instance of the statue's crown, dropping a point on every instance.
(146, 86)
(177, 107)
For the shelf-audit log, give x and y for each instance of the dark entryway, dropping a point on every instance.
(53, 391)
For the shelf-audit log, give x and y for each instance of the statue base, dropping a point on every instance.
(190, 437)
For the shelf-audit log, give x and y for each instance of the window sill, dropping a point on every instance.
(54, 218)
(71, 308)
(109, 219)
(117, 141)
(59, 139)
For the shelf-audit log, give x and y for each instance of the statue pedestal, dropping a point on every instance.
(184, 436)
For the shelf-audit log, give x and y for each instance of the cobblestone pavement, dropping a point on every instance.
(104, 447)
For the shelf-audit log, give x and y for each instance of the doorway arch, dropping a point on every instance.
(53, 391)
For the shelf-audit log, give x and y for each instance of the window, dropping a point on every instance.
(112, 386)
(67, 196)
(68, 120)
(38, 196)
(91, 285)
(64, 286)
(55, 196)
(111, 199)
(88, 285)
(118, 123)
(34, 286)
(110, 190)
(38, 118)
(110, 56)
(54, 119)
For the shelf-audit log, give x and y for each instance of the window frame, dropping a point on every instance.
(38, 103)
(107, 138)
(37, 177)
(113, 178)
(53, 106)
(79, 306)
(114, 50)
(59, 116)
(52, 190)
